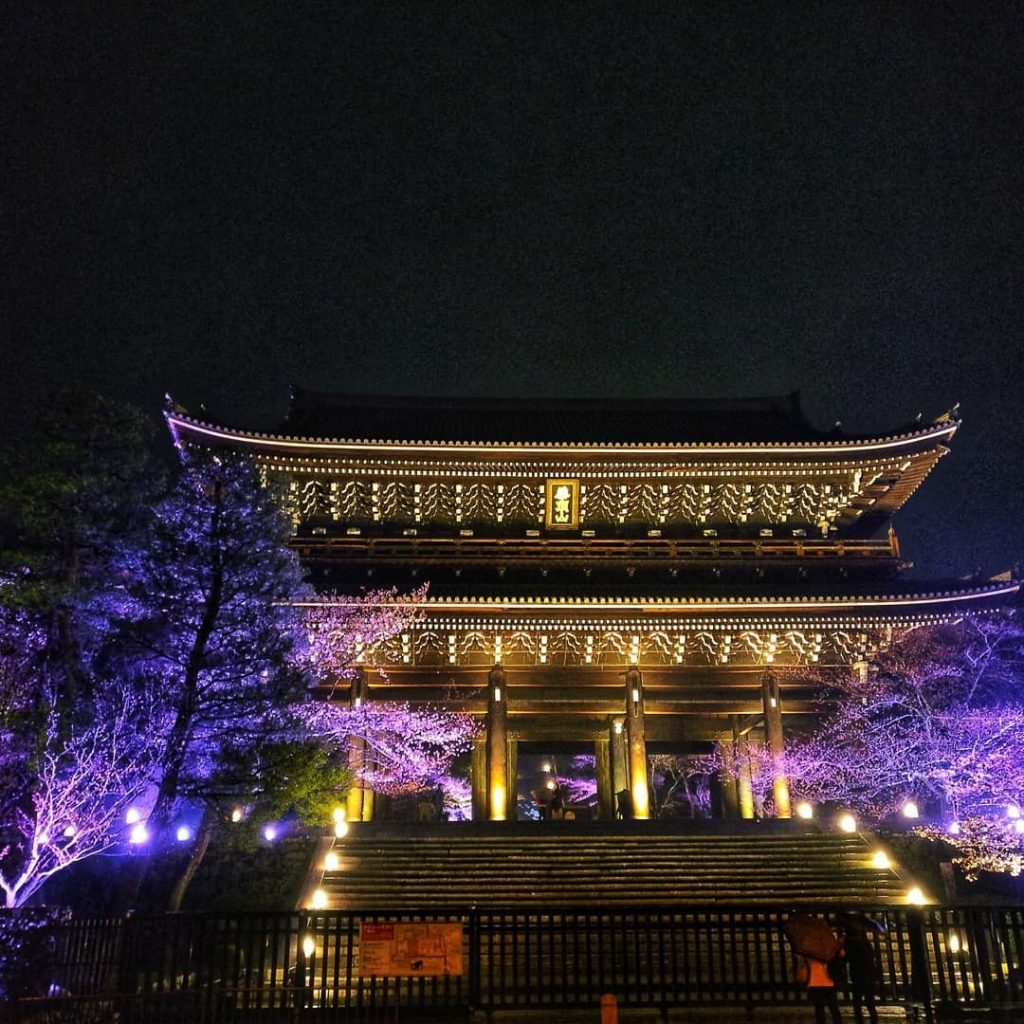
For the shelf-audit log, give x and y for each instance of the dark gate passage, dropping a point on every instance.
(219, 968)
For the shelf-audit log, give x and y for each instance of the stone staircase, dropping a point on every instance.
(600, 864)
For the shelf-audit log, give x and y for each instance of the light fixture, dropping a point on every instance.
(70, 832)
(497, 695)
(132, 816)
(953, 945)
(915, 897)
(636, 695)
(617, 726)
(546, 766)
(1019, 826)
(1012, 811)
(319, 899)
(953, 828)
(184, 834)
(270, 832)
(308, 946)
(237, 814)
(847, 822)
(340, 829)
(881, 860)
(338, 814)
(332, 862)
(804, 810)
(139, 834)
(910, 810)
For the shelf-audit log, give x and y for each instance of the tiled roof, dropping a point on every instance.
(558, 421)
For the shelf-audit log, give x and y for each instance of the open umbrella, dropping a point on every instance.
(811, 936)
(861, 922)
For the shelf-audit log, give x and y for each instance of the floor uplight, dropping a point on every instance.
(319, 900)
(332, 862)
(340, 829)
(910, 810)
(881, 860)
(308, 946)
(847, 822)
(804, 810)
(915, 897)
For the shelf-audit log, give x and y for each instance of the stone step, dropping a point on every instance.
(380, 869)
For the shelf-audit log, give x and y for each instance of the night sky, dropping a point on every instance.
(558, 199)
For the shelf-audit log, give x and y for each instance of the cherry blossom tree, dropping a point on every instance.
(411, 748)
(72, 805)
(680, 783)
(939, 718)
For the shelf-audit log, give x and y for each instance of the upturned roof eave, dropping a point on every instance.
(181, 424)
(881, 601)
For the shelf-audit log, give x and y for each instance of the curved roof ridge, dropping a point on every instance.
(945, 424)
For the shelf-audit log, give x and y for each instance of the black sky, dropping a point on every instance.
(532, 198)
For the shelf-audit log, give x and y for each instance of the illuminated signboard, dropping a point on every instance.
(562, 505)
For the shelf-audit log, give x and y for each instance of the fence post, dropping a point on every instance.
(474, 959)
(127, 965)
(920, 969)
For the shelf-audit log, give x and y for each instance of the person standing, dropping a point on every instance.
(821, 989)
(860, 958)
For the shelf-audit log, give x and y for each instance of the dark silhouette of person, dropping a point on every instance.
(556, 806)
(624, 804)
(821, 989)
(863, 968)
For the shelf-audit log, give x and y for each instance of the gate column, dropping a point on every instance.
(497, 745)
(478, 776)
(772, 701)
(636, 744)
(744, 781)
(359, 802)
(603, 769)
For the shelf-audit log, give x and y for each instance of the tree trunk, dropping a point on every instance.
(202, 844)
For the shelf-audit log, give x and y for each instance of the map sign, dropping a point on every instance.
(410, 950)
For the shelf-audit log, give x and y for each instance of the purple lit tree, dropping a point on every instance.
(207, 612)
(68, 770)
(74, 795)
(411, 749)
(680, 785)
(940, 718)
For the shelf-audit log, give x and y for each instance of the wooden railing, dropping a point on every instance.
(197, 967)
(470, 550)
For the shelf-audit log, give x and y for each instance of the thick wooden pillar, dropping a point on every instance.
(727, 780)
(497, 745)
(744, 781)
(359, 802)
(513, 780)
(478, 777)
(603, 770)
(772, 700)
(636, 744)
(617, 752)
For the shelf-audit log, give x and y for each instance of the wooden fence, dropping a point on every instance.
(286, 966)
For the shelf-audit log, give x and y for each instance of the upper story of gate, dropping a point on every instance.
(713, 485)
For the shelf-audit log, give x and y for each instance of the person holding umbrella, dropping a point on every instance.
(860, 956)
(816, 947)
